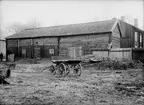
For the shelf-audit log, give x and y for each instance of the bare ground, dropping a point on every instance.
(32, 84)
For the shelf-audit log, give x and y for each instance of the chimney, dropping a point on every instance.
(136, 22)
(123, 18)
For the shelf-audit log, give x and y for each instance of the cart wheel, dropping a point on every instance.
(77, 69)
(52, 69)
(67, 69)
(62, 69)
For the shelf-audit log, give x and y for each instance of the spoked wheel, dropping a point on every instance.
(62, 69)
(52, 69)
(67, 69)
(77, 69)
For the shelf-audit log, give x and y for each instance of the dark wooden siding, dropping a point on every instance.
(38, 47)
(85, 42)
(50, 47)
(143, 40)
(25, 48)
(12, 47)
(24, 42)
(33, 48)
(12, 43)
(125, 42)
(128, 35)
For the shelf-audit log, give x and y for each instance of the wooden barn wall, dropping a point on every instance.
(33, 48)
(38, 47)
(143, 40)
(50, 47)
(126, 29)
(86, 43)
(50, 41)
(125, 42)
(116, 38)
(12, 43)
(24, 42)
(12, 47)
(128, 35)
(45, 47)
(25, 48)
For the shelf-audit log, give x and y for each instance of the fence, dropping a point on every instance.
(122, 53)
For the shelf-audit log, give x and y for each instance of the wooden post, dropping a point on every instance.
(59, 45)
(18, 48)
(32, 50)
(43, 50)
(6, 50)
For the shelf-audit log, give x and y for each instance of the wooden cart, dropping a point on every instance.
(5, 71)
(63, 65)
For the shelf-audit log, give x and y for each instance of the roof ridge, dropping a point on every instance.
(69, 24)
(73, 29)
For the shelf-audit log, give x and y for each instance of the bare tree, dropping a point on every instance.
(18, 27)
(33, 24)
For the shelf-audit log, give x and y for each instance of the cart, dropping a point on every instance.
(63, 66)
(5, 71)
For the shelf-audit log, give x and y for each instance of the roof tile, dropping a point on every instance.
(63, 30)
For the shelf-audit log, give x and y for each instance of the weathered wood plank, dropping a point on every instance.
(50, 50)
(38, 41)
(50, 41)
(24, 42)
(87, 43)
(12, 43)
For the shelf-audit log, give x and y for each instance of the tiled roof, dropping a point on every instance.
(64, 30)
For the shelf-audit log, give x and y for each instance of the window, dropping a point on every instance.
(51, 51)
(140, 40)
(136, 39)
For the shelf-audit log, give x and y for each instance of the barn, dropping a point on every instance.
(74, 40)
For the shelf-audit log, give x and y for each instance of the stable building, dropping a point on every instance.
(74, 40)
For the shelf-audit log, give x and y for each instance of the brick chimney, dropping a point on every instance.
(136, 22)
(123, 18)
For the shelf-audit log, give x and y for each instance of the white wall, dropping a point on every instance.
(115, 53)
(3, 47)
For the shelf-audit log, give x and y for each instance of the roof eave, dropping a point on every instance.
(59, 35)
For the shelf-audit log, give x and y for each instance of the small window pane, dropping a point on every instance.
(136, 39)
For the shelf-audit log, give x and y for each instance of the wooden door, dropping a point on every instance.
(75, 52)
(37, 53)
(24, 52)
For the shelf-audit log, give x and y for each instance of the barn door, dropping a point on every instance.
(75, 52)
(79, 51)
(37, 53)
(71, 52)
(24, 52)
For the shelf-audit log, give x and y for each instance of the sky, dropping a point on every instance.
(52, 13)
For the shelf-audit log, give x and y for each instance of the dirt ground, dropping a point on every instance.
(32, 84)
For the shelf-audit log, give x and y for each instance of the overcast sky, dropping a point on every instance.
(50, 13)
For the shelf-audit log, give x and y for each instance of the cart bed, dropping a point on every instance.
(64, 59)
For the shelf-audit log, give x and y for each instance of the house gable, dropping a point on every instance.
(115, 38)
